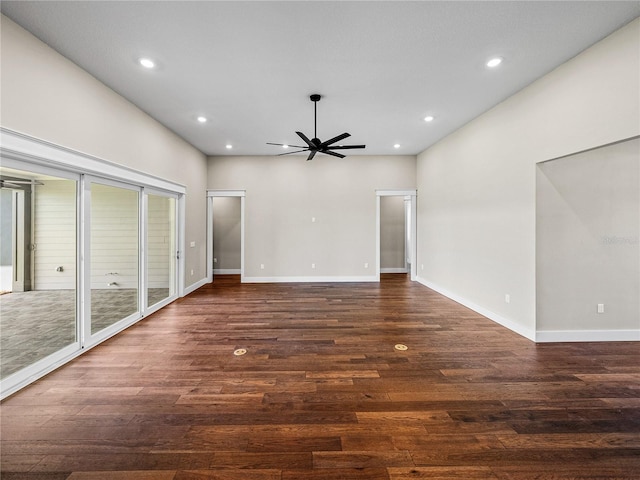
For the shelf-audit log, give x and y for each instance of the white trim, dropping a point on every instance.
(548, 336)
(378, 245)
(242, 229)
(227, 271)
(226, 193)
(414, 237)
(194, 286)
(505, 322)
(209, 256)
(354, 279)
(182, 243)
(394, 270)
(143, 258)
(33, 150)
(396, 193)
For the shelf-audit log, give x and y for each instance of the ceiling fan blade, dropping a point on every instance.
(306, 140)
(334, 139)
(285, 145)
(311, 155)
(345, 147)
(329, 152)
(289, 153)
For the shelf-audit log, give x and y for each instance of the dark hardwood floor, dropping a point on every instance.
(323, 394)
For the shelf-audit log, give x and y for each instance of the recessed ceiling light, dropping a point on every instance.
(494, 62)
(285, 146)
(202, 119)
(397, 145)
(228, 146)
(429, 118)
(147, 63)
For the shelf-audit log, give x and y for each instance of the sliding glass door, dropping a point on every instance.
(38, 245)
(81, 258)
(161, 248)
(87, 248)
(114, 253)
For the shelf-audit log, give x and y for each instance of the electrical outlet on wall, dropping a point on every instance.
(262, 266)
(215, 260)
(601, 308)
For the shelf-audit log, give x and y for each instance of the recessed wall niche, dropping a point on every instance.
(588, 244)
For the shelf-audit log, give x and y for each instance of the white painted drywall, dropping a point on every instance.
(48, 97)
(284, 195)
(476, 202)
(588, 240)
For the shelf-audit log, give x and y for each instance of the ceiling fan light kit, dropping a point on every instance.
(315, 145)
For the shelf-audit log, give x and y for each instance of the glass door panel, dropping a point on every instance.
(38, 266)
(161, 248)
(114, 255)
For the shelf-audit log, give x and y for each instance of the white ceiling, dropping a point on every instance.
(381, 66)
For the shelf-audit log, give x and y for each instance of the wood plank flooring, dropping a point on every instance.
(323, 394)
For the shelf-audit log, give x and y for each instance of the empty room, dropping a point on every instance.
(288, 240)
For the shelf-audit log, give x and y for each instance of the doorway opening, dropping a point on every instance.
(225, 233)
(396, 232)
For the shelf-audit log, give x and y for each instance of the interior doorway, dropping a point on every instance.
(396, 232)
(16, 242)
(225, 233)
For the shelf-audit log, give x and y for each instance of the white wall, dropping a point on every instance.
(476, 201)
(588, 243)
(284, 194)
(48, 97)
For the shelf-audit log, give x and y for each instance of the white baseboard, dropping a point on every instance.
(372, 278)
(394, 270)
(548, 336)
(505, 322)
(194, 286)
(227, 271)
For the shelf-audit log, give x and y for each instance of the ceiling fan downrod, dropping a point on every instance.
(315, 98)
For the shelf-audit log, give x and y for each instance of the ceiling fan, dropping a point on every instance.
(315, 145)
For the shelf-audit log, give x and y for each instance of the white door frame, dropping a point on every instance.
(414, 217)
(223, 193)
